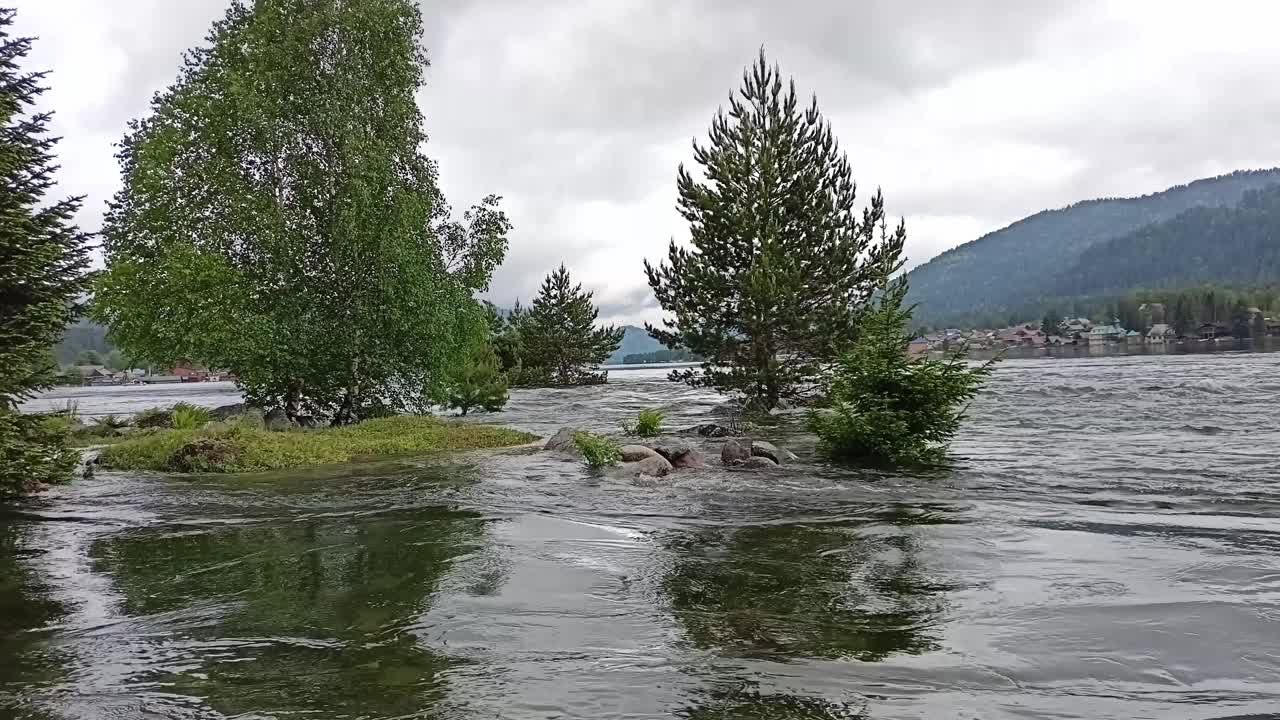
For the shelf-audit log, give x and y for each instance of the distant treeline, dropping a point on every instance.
(1183, 309)
(660, 356)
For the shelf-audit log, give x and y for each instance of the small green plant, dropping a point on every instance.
(648, 423)
(598, 450)
(186, 416)
(109, 424)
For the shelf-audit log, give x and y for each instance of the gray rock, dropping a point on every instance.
(680, 454)
(735, 452)
(760, 448)
(759, 462)
(654, 466)
(635, 453)
(713, 430)
(226, 412)
(310, 421)
(277, 420)
(563, 442)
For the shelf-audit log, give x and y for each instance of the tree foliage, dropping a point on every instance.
(780, 263)
(888, 406)
(279, 219)
(479, 384)
(558, 337)
(43, 259)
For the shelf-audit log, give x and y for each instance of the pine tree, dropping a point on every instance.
(479, 384)
(43, 259)
(1049, 325)
(559, 336)
(781, 266)
(279, 219)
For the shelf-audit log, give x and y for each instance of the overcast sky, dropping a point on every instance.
(970, 115)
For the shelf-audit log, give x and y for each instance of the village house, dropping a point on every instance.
(1102, 334)
(1160, 333)
(1214, 330)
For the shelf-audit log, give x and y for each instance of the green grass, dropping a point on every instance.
(239, 448)
(186, 416)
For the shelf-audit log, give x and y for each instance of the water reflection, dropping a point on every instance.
(743, 701)
(849, 588)
(293, 617)
(26, 610)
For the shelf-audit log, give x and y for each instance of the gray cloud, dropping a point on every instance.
(969, 115)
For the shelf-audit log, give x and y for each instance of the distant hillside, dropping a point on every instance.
(635, 341)
(1015, 266)
(81, 336)
(1222, 245)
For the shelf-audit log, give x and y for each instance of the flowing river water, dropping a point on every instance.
(1107, 545)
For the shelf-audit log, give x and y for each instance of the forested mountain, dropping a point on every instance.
(1019, 265)
(1223, 245)
(80, 336)
(635, 340)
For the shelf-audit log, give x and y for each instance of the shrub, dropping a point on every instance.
(887, 406)
(648, 423)
(478, 384)
(186, 416)
(109, 424)
(154, 418)
(598, 450)
(33, 451)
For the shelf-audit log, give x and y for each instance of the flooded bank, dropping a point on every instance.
(1107, 545)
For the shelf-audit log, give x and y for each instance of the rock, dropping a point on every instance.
(680, 454)
(310, 421)
(735, 452)
(277, 421)
(654, 466)
(563, 442)
(760, 448)
(226, 412)
(713, 430)
(635, 453)
(759, 462)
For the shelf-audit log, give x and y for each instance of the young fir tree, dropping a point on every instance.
(279, 219)
(43, 259)
(887, 406)
(479, 383)
(782, 263)
(559, 337)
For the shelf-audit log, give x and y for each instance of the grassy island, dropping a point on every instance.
(234, 448)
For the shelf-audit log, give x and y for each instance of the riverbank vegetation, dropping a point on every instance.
(240, 447)
(43, 259)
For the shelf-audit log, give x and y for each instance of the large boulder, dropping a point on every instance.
(226, 412)
(760, 448)
(759, 462)
(680, 454)
(735, 452)
(277, 421)
(562, 442)
(636, 453)
(654, 466)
